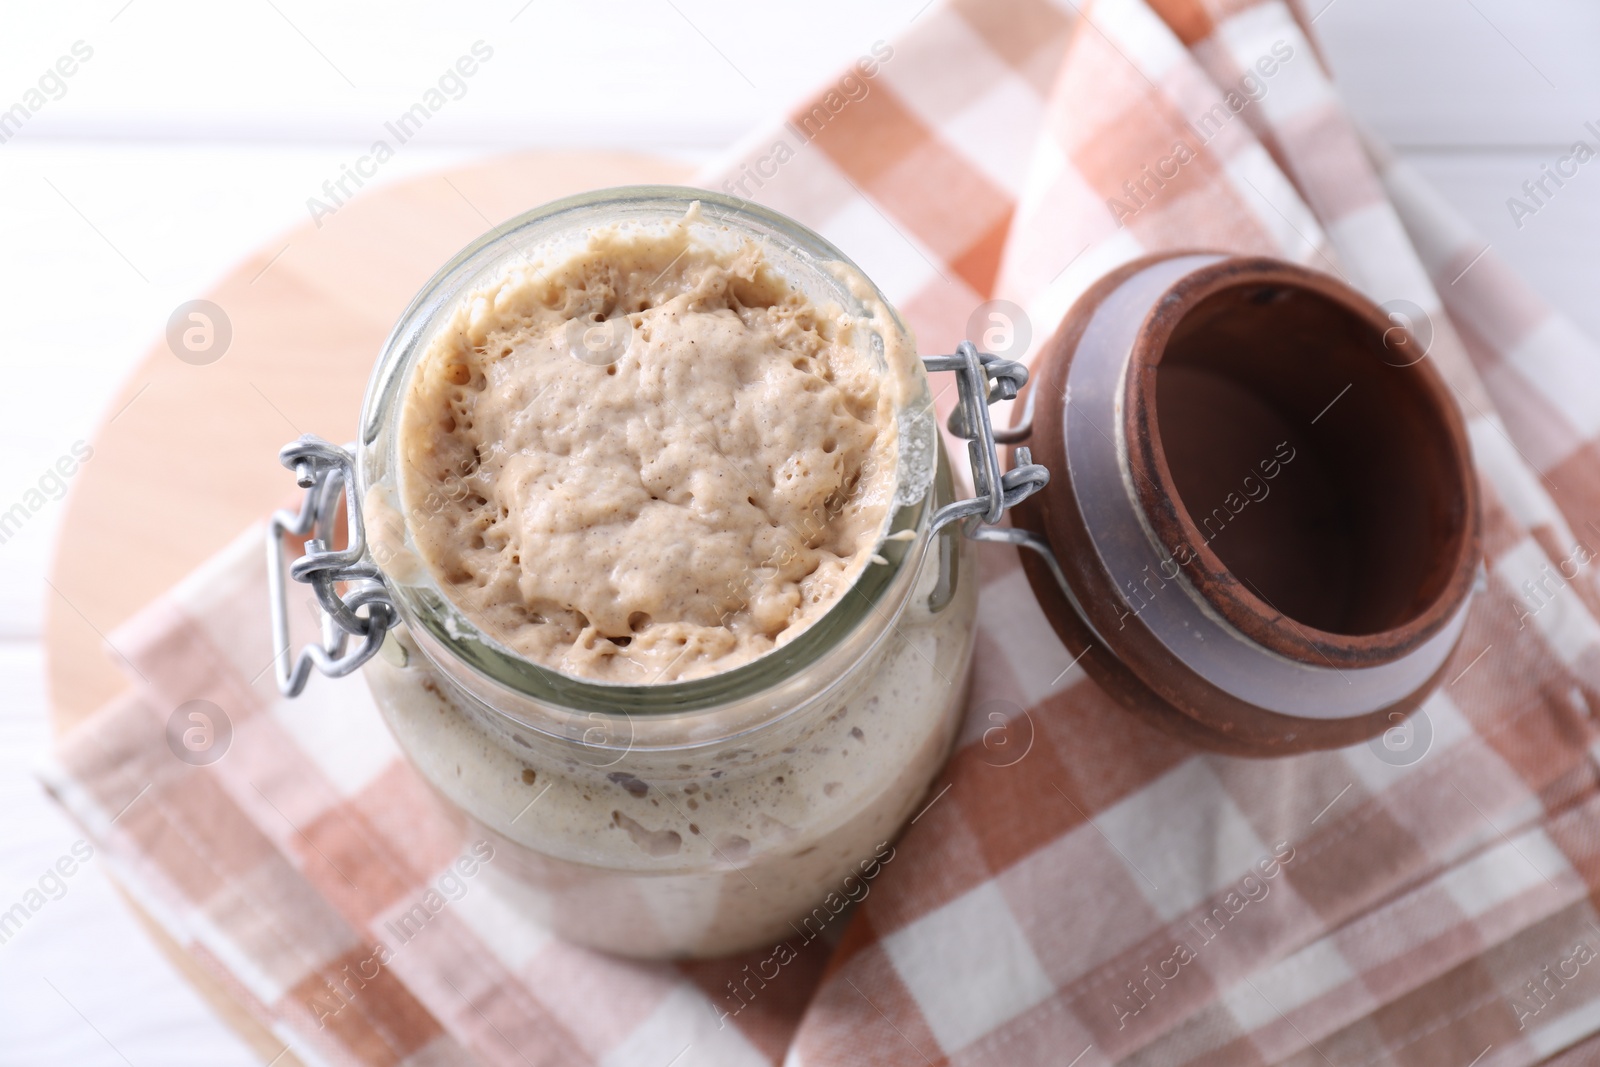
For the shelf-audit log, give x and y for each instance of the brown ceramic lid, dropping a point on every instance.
(1262, 502)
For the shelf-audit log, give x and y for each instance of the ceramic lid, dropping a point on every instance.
(1262, 503)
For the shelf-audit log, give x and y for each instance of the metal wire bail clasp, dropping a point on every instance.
(364, 609)
(982, 379)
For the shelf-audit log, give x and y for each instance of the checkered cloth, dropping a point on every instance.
(1078, 890)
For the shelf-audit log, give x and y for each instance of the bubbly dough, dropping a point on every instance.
(648, 460)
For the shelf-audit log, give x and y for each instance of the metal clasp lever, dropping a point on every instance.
(325, 472)
(982, 379)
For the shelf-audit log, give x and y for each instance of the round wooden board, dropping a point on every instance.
(187, 456)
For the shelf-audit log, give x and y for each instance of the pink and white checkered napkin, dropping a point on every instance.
(1112, 895)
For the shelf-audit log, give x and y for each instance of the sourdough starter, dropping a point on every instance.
(696, 486)
(659, 510)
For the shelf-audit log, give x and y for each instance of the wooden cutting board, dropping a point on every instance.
(186, 456)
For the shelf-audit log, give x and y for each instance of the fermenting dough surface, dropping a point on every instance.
(648, 461)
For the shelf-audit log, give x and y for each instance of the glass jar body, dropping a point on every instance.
(712, 848)
(698, 817)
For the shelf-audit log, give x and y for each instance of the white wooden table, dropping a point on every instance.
(196, 132)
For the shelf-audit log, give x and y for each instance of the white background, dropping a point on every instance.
(198, 130)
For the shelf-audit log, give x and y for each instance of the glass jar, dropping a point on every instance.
(700, 817)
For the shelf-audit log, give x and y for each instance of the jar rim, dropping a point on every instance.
(503, 678)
